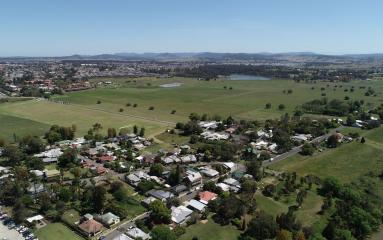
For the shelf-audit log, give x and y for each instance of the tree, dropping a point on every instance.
(32, 144)
(162, 232)
(142, 132)
(333, 141)
(112, 132)
(151, 108)
(14, 154)
(350, 120)
(269, 190)
(253, 167)
(68, 159)
(156, 169)
(362, 140)
(288, 221)
(175, 176)
(135, 129)
(262, 226)
(159, 212)
(121, 110)
(99, 198)
(284, 235)
(282, 139)
(281, 107)
(307, 149)
(19, 212)
(98, 102)
(268, 105)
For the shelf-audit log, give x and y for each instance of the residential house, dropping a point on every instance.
(90, 227)
(193, 178)
(196, 205)
(108, 219)
(122, 236)
(180, 214)
(161, 194)
(207, 196)
(137, 233)
(188, 158)
(209, 172)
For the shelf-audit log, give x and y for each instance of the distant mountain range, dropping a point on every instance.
(211, 56)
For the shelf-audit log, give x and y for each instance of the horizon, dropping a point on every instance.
(46, 29)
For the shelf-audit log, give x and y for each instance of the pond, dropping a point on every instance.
(244, 77)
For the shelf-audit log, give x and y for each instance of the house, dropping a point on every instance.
(207, 196)
(136, 177)
(196, 205)
(108, 219)
(171, 159)
(188, 158)
(137, 233)
(193, 178)
(160, 194)
(230, 166)
(147, 201)
(100, 170)
(301, 138)
(90, 227)
(223, 186)
(209, 172)
(35, 189)
(215, 136)
(106, 158)
(122, 236)
(234, 185)
(179, 189)
(180, 214)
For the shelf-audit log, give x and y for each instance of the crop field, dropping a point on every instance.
(347, 162)
(241, 99)
(35, 117)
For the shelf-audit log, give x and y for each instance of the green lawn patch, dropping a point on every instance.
(71, 217)
(210, 231)
(56, 231)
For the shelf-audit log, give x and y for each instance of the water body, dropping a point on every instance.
(171, 85)
(243, 77)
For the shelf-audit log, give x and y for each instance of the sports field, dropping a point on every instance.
(347, 162)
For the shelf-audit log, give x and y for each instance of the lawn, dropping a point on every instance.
(210, 231)
(347, 162)
(245, 100)
(33, 115)
(56, 231)
(71, 217)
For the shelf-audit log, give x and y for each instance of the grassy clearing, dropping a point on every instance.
(347, 162)
(246, 100)
(11, 125)
(269, 205)
(47, 113)
(56, 231)
(210, 231)
(71, 217)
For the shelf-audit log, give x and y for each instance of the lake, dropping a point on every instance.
(247, 77)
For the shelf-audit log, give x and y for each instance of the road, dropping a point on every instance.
(296, 150)
(113, 233)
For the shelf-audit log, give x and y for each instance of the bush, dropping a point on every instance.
(151, 108)
(307, 149)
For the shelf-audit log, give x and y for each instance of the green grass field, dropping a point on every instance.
(56, 231)
(36, 117)
(347, 162)
(246, 100)
(11, 125)
(210, 231)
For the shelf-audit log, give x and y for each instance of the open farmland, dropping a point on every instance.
(241, 99)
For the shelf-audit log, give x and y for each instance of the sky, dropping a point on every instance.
(67, 27)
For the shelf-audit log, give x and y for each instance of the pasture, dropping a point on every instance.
(347, 162)
(241, 99)
(35, 117)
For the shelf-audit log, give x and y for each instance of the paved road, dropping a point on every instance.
(296, 150)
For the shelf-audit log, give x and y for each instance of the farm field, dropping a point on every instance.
(56, 231)
(35, 117)
(347, 162)
(241, 99)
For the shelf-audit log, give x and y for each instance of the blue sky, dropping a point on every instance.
(55, 27)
